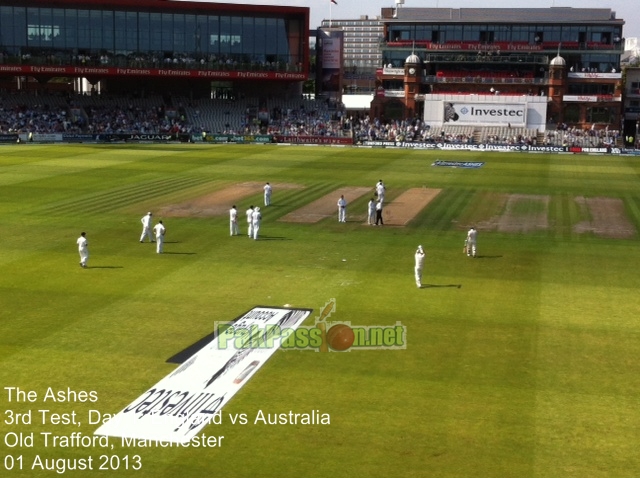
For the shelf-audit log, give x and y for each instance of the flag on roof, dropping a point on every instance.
(334, 2)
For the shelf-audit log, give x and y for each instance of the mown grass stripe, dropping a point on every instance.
(445, 209)
(291, 199)
(113, 199)
(632, 203)
(556, 217)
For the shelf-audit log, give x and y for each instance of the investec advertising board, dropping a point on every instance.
(185, 401)
(491, 114)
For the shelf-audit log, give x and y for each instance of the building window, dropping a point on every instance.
(572, 114)
(486, 36)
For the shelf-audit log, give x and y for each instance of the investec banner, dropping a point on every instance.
(492, 114)
(185, 401)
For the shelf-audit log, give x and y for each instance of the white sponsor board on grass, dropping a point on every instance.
(185, 401)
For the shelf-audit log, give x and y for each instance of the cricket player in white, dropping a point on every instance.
(250, 221)
(267, 194)
(233, 221)
(146, 227)
(371, 212)
(342, 209)
(419, 256)
(159, 231)
(472, 236)
(83, 249)
(256, 217)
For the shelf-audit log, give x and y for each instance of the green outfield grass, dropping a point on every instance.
(529, 369)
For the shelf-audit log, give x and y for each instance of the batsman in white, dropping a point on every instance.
(380, 190)
(472, 236)
(342, 209)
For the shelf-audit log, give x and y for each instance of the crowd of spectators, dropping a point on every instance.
(137, 120)
(43, 119)
(30, 115)
(304, 121)
(96, 118)
(510, 138)
(417, 131)
(565, 135)
(367, 129)
(38, 118)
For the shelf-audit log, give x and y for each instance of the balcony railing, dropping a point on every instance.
(177, 62)
(423, 45)
(485, 80)
(486, 58)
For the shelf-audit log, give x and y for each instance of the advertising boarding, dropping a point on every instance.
(191, 396)
(489, 114)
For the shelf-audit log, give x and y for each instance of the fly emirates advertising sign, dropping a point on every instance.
(185, 401)
(490, 114)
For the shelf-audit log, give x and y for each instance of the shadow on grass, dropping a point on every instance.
(273, 238)
(183, 253)
(184, 354)
(428, 286)
(488, 257)
(104, 267)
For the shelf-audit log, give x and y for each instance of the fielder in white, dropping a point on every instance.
(233, 221)
(371, 212)
(342, 209)
(83, 249)
(159, 231)
(256, 218)
(472, 237)
(250, 221)
(419, 256)
(146, 227)
(267, 194)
